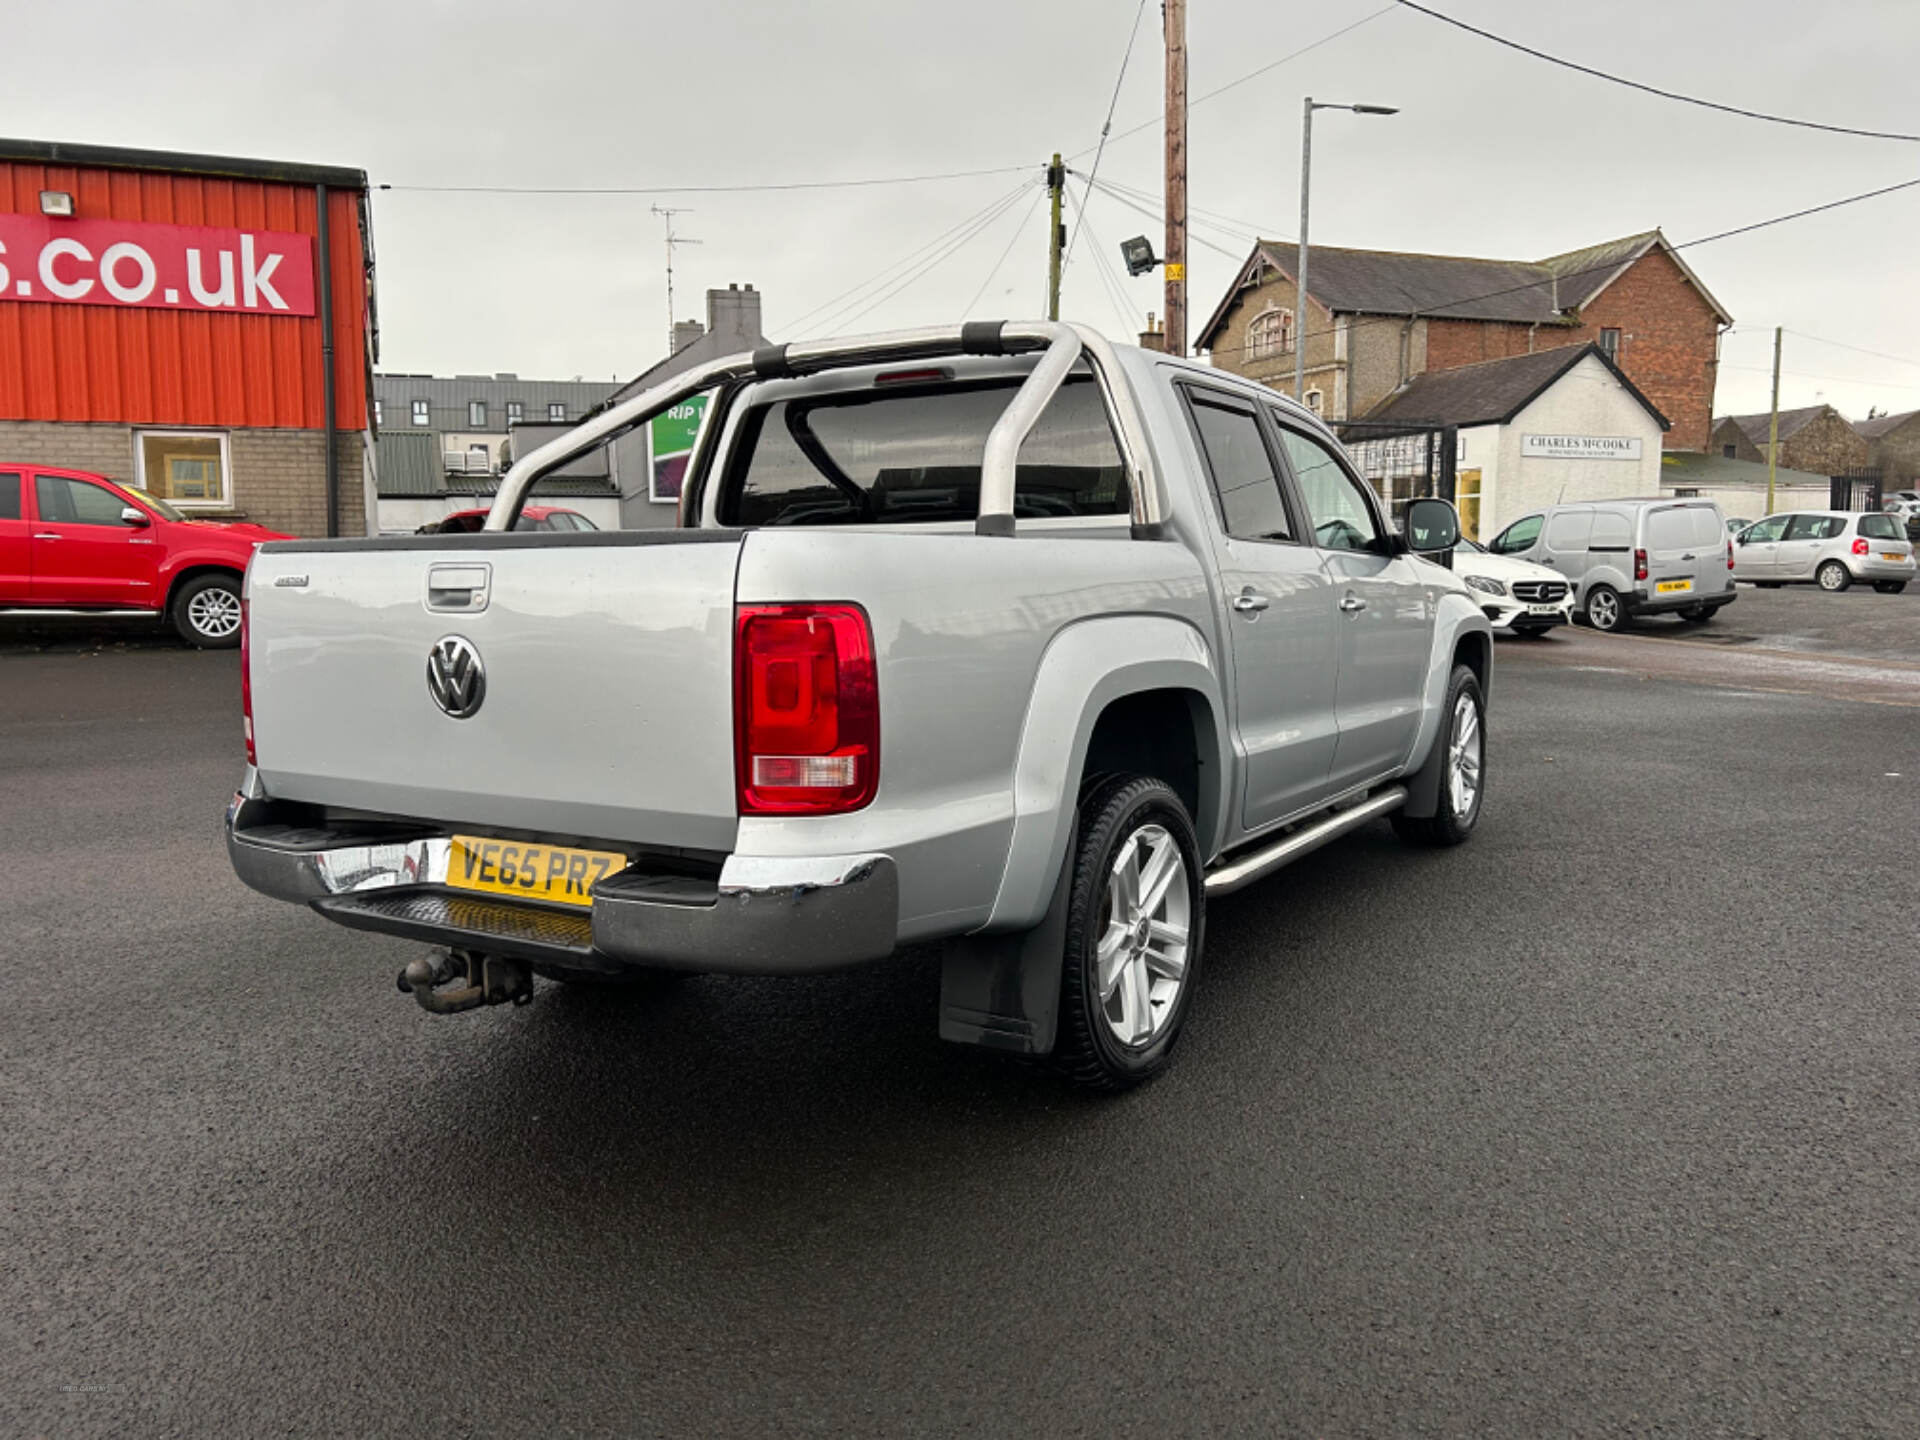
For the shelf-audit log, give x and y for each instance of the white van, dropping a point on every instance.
(1631, 557)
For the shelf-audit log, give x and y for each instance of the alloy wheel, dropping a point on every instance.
(214, 613)
(1464, 757)
(1603, 609)
(1142, 955)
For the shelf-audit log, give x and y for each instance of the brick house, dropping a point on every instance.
(1377, 318)
(1893, 447)
(1816, 438)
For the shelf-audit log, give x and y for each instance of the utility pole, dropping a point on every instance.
(1056, 237)
(672, 240)
(1773, 421)
(1176, 128)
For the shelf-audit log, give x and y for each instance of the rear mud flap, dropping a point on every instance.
(1003, 991)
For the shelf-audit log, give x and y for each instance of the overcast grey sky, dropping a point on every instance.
(1495, 154)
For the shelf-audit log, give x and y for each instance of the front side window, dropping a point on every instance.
(1271, 333)
(1769, 529)
(77, 502)
(914, 456)
(1814, 527)
(188, 469)
(1874, 527)
(9, 497)
(420, 412)
(1336, 502)
(1244, 478)
(1518, 536)
(476, 413)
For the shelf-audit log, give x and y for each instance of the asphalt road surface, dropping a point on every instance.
(1606, 1123)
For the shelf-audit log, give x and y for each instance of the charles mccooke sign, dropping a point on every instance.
(1581, 447)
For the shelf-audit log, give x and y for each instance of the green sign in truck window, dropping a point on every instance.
(673, 434)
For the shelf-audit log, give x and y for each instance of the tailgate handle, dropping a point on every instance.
(461, 588)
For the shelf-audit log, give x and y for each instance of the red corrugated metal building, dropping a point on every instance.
(168, 320)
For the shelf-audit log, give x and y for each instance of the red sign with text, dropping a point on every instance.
(159, 267)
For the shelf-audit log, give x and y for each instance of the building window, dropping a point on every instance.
(1682, 492)
(514, 412)
(557, 411)
(1466, 500)
(379, 416)
(1726, 452)
(476, 413)
(188, 467)
(420, 412)
(1271, 333)
(1315, 400)
(1610, 344)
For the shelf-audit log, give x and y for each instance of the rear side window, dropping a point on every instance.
(1241, 466)
(9, 497)
(1570, 530)
(1611, 531)
(1874, 527)
(914, 456)
(1815, 527)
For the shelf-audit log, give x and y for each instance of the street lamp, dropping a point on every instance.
(1306, 169)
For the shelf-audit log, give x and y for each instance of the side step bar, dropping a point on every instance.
(1227, 878)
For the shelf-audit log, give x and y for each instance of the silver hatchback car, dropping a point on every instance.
(1828, 548)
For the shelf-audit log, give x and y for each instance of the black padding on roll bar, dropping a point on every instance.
(770, 363)
(993, 525)
(983, 337)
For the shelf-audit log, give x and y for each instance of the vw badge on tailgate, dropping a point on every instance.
(455, 677)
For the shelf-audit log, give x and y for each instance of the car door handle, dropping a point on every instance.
(1250, 602)
(1352, 604)
(46, 537)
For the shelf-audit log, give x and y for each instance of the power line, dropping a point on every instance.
(1132, 35)
(1226, 224)
(1432, 310)
(1038, 196)
(1825, 375)
(927, 267)
(1133, 204)
(1655, 89)
(1858, 349)
(1115, 291)
(703, 189)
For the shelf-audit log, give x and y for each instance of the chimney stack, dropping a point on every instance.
(734, 315)
(1154, 337)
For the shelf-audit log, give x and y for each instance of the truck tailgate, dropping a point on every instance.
(607, 710)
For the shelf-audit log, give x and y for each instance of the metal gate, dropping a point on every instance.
(1403, 464)
(1854, 490)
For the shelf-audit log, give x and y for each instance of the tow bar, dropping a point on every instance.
(491, 980)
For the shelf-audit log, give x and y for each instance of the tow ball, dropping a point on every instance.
(490, 980)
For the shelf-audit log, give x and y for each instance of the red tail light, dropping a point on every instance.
(1729, 554)
(1639, 564)
(806, 709)
(246, 684)
(1860, 547)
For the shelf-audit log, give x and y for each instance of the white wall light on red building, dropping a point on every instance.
(56, 202)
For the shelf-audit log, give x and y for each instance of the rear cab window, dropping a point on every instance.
(913, 455)
(1683, 527)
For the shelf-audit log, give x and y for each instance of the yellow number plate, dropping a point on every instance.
(1896, 558)
(1673, 587)
(532, 872)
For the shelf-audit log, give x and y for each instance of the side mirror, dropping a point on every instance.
(1431, 525)
(134, 515)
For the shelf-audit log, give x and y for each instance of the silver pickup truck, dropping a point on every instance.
(995, 635)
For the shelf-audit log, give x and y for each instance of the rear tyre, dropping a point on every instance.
(1768, 584)
(1889, 587)
(206, 612)
(1463, 769)
(1698, 615)
(1136, 919)
(1602, 608)
(1834, 577)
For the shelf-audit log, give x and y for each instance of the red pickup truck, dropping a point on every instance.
(70, 540)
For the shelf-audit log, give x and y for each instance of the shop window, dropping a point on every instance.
(514, 412)
(1466, 499)
(557, 411)
(1610, 344)
(1271, 333)
(188, 467)
(420, 412)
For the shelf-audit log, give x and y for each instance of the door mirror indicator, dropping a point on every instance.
(1432, 525)
(134, 515)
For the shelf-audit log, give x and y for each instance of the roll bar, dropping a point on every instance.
(1062, 345)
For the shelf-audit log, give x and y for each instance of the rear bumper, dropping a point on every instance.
(762, 916)
(1871, 567)
(1663, 604)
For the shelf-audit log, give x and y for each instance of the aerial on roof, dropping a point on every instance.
(1392, 282)
(1493, 391)
(1878, 425)
(1757, 427)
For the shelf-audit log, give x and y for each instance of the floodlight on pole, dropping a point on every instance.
(1138, 253)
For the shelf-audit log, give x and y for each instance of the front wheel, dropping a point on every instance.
(1463, 769)
(1834, 577)
(1889, 587)
(206, 612)
(1136, 917)
(1603, 610)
